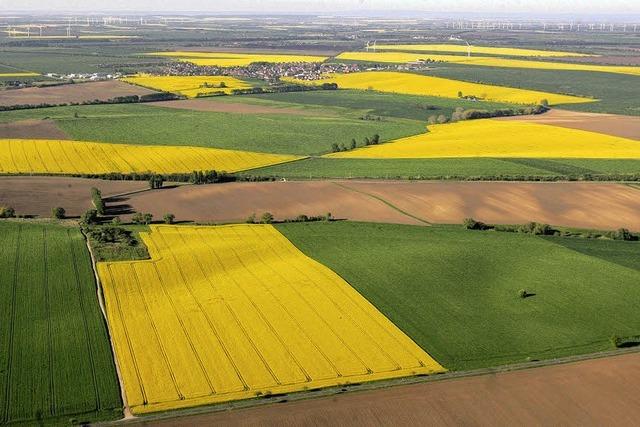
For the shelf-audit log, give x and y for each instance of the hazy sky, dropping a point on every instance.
(328, 6)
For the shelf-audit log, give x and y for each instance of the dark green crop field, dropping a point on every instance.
(375, 103)
(270, 133)
(449, 168)
(55, 358)
(455, 292)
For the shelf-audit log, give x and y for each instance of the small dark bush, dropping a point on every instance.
(58, 213)
(472, 224)
(7, 212)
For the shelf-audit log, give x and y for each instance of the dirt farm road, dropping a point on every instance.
(593, 392)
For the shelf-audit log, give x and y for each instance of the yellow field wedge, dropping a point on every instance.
(237, 312)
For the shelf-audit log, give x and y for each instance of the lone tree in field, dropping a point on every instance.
(267, 218)
(58, 213)
(353, 145)
(156, 181)
(375, 140)
(169, 218)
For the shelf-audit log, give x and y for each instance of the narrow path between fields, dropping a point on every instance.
(386, 202)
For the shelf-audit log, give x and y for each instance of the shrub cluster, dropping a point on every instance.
(623, 342)
(268, 218)
(473, 114)
(112, 234)
(142, 218)
(336, 148)
(7, 212)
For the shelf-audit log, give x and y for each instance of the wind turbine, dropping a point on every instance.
(458, 39)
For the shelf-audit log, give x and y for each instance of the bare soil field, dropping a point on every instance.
(37, 195)
(226, 107)
(79, 92)
(236, 201)
(588, 205)
(611, 124)
(605, 59)
(586, 393)
(573, 204)
(32, 129)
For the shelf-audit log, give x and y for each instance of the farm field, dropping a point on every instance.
(587, 392)
(345, 101)
(66, 94)
(229, 59)
(31, 129)
(616, 93)
(493, 138)
(582, 205)
(26, 74)
(37, 195)
(609, 124)
(471, 316)
(470, 168)
(415, 84)
(486, 61)
(269, 133)
(502, 51)
(55, 354)
(217, 315)
(189, 86)
(45, 156)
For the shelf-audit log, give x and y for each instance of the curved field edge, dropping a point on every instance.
(264, 337)
(80, 157)
(56, 359)
(455, 291)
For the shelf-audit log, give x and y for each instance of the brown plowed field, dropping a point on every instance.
(37, 195)
(610, 124)
(236, 201)
(588, 205)
(65, 94)
(226, 107)
(32, 129)
(588, 393)
(585, 205)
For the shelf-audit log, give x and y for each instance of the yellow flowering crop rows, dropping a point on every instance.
(486, 61)
(414, 84)
(494, 138)
(71, 157)
(19, 74)
(234, 312)
(228, 59)
(189, 86)
(504, 51)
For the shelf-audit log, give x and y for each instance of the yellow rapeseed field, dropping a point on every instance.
(486, 61)
(76, 157)
(414, 84)
(228, 59)
(19, 74)
(495, 138)
(504, 51)
(234, 312)
(189, 86)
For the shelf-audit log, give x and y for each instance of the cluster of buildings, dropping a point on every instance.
(271, 72)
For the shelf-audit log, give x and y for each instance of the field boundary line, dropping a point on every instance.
(380, 199)
(365, 387)
(125, 406)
